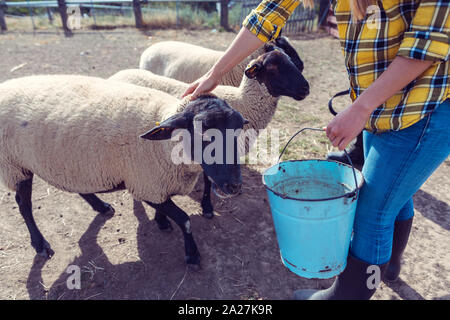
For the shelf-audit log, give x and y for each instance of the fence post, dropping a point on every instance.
(3, 26)
(50, 15)
(30, 11)
(93, 13)
(62, 8)
(138, 14)
(224, 15)
(324, 7)
(177, 7)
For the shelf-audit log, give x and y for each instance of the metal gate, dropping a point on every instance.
(301, 20)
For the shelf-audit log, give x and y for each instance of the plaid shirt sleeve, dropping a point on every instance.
(428, 36)
(269, 17)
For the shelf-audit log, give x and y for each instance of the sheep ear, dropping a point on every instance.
(253, 69)
(269, 46)
(158, 133)
(164, 130)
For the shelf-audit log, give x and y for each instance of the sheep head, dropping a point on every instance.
(279, 74)
(284, 44)
(209, 131)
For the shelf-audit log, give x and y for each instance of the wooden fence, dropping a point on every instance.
(301, 19)
(3, 26)
(327, 19)
(135, 5)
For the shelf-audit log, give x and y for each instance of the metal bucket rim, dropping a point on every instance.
(351, 194)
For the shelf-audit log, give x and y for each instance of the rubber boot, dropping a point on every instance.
(401, 235)
(352, 284)
(355, 152)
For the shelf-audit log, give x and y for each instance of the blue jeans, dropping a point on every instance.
(397, 163)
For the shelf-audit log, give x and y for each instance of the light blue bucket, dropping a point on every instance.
(313, 204)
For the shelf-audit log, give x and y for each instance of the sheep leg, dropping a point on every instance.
(162, 221)
(182, 220)
(207, 208)
(23, 199)
(97, 204)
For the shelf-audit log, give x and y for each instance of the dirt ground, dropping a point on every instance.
(127, 257)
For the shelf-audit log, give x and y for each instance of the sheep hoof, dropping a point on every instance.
(166, 227)
(208, 215)
(194, 267)
(46, 252)
(193, 262)
(109, 210)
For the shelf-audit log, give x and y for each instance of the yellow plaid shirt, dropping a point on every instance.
(418, 29)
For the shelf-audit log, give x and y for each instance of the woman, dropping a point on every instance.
(397, 57)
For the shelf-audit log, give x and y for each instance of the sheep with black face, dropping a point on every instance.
(265, 80)
(187, 62)
(82, 135)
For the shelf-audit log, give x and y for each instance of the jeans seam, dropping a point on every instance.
(394, 184)
(386, 199)
(424, 131)
(414, 151)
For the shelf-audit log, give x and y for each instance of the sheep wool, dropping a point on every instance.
(187, 62)
(251, 98)
(81, 134)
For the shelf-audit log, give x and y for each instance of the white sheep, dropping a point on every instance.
(187, 62)
(82, 134)
(266, 78)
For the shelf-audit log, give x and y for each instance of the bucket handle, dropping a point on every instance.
(350, 194)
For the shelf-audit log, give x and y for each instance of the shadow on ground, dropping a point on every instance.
(240, 257)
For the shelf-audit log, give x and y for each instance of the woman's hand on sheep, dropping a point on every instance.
(346, 126)
(242, 46)
(205, 84)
